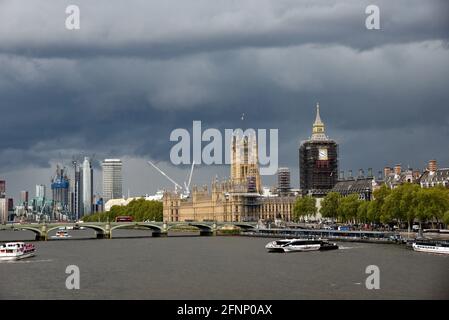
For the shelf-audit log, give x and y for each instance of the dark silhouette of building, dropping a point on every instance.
(77, 192)
(2, 188)
(284, 186)
(318, 161)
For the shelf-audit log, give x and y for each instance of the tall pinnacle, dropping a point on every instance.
(318, 118)
(318, 132)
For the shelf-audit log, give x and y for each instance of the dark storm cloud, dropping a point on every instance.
(172, 28)
(137, 70)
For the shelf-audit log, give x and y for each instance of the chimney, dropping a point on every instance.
(370, 172)
(397, 169)
(432, 166)
(387, 171)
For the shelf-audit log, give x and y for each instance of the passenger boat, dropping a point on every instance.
(16, 251)
(61, 234)
(278, 245)
(431, 247)
(300, 245)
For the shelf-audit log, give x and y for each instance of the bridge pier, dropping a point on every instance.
(107, 234)
(103, 235)
(159, 234)
(208, 233)
(41, 237)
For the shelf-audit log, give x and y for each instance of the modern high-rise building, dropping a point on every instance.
(112, 179)
(3, 210)
(40, 191)
(87, 186)
(2, 188)
(318, 161)
(10, 204)
(24, 197)
(60, 186)
(77, 192)
(284, 186)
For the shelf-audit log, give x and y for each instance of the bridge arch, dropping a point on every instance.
(100, 232)
(157, 230)
(244, 226)
(144, 225)
(203, 228)
(36, 231)
(200, 226)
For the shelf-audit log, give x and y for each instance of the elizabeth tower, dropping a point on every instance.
(318, 161)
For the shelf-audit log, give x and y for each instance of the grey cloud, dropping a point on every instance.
(134, 73)
(172, 28)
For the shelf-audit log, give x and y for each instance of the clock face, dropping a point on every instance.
(322, 154)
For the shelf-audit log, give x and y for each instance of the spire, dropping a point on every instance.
(319, 130)
(318, 118)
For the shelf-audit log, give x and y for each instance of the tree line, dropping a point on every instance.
(139, 209)
(402, 205)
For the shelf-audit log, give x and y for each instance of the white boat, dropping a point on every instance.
(278, 245)
(61, 235)
(300, 245)
(431, 247)
(16, 251)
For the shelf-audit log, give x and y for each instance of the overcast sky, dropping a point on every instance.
(136, 70)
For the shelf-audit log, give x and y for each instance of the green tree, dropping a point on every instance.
(329, 205)
(139, 209)
(347, 210)
(400, 204)
(446, 219)
(304, 207)
(432, 203)
(362, 211)
(374, 212)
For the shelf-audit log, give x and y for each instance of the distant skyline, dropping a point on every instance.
(117, 87)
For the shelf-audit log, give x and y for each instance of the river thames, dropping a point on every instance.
(131, 266)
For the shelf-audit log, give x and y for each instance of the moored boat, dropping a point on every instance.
(431, 247)
(16, 251)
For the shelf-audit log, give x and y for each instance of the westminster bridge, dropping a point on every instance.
(104, 230)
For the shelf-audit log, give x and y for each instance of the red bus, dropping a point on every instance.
(124, 219)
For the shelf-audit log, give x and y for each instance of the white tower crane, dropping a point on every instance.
(187, 185)
(186, 189)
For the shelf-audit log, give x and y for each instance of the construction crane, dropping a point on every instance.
(186, 189)
(41, 214)
(187, 185)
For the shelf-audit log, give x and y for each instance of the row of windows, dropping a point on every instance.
(433, 184)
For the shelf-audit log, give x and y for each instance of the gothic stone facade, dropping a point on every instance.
(235, 200)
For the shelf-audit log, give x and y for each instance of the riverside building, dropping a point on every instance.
(237, 199)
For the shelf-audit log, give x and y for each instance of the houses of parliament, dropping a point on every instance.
(242, 198)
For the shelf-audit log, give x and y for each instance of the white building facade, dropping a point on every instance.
(87, 186)
(112, 179)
